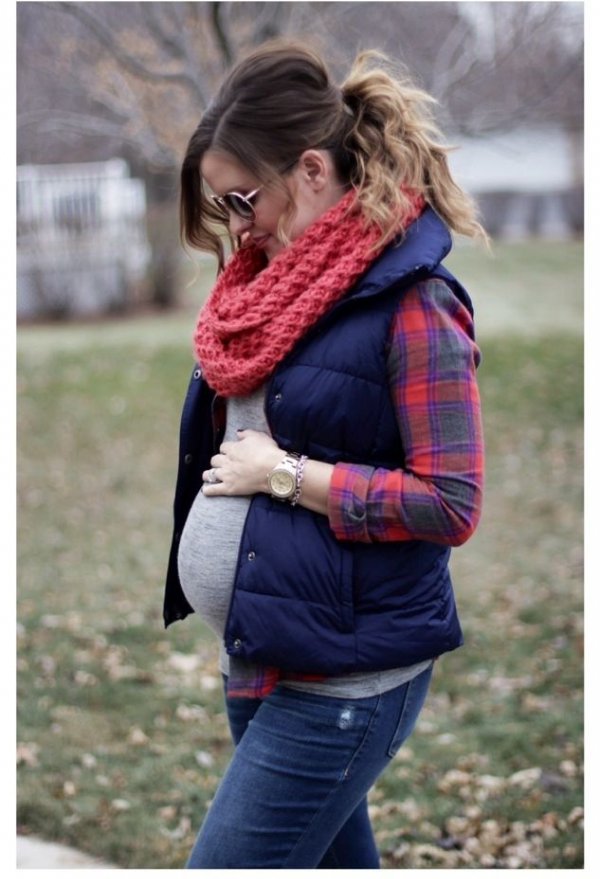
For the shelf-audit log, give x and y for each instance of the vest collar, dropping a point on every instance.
(425, 244)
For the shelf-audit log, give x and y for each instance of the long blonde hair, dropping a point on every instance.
(379, 128)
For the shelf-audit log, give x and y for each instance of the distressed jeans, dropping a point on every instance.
(295, 792)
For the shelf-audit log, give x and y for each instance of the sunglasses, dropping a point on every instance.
(236, 203)
(242, 205)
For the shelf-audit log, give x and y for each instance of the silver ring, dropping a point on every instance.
(211, 476)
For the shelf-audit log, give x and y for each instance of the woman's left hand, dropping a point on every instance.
(241, 467)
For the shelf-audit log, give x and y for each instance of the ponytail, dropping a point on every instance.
(395, 146)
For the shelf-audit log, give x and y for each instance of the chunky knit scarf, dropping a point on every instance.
(257, 311)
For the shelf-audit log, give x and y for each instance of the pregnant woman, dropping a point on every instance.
(331, 447)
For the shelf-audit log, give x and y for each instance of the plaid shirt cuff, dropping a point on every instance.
(347, 502)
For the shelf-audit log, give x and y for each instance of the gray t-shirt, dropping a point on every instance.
(208, 550)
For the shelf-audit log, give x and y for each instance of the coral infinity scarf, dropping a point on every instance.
(257, 311)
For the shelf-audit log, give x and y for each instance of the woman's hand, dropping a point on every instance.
(241, 467)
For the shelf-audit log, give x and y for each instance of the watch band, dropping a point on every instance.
(299, 477)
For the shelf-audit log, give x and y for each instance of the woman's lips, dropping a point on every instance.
(247, 240)
(261, 240)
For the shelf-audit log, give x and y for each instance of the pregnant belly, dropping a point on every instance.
(208, 553)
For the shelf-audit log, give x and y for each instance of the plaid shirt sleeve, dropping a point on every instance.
(437, 495)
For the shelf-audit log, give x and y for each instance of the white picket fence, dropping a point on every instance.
(82, 247)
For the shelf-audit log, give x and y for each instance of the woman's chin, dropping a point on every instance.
(273, 247)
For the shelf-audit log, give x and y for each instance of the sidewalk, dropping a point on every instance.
(34, 853)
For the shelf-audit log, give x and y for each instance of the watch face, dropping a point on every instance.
(282, 483)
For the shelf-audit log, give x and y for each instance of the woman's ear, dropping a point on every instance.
(316, 168)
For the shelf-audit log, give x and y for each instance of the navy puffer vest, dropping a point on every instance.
(303, 600)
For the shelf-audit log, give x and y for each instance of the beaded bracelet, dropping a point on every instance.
(299, 474)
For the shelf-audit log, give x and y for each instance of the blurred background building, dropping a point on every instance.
(82, 242)
(109, 93)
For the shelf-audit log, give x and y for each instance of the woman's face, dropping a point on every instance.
(312, 181)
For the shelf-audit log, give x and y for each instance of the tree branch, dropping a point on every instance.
(169, 42)
(62, 122)
(216, 10)
(268, 21)
(130, 62)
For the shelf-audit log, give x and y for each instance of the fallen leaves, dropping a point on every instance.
(199, 669)
(28, 754)
(191, 713)
(182, 829)
(473, 787)
(120, 805)
(204, 759)
(481, 834)
(137, 737)
(472, 841)
(525, 778)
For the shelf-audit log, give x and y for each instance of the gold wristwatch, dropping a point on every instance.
(283, 479)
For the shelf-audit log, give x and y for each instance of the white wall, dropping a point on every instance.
(533, 160)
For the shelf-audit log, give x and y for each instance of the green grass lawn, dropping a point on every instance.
(121, 728)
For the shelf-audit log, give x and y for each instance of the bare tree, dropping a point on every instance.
(490, 65)
(147, 70)
(132, 79)
(98, 79)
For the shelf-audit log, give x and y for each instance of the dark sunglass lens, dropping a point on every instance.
(240, 206)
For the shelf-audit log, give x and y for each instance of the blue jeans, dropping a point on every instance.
(295, 791)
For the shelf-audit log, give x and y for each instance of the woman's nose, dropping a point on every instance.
(237, 225)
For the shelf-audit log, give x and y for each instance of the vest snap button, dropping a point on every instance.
(278, 397)
(237, 643)
(251, 556)
(197, 373)
(188, 459)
